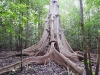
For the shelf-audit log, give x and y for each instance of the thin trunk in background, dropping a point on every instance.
(10, 37)
(84, 41)
(89, 47)
(89, 59)
(98, 57)
(39, 27)
(5, 28)
(20, 38)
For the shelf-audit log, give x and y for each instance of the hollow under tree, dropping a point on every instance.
(52, 46)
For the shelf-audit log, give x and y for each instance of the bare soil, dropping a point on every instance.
(51, 68)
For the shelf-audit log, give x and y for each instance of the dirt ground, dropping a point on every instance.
(51, 68)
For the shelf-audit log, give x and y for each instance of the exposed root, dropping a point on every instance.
(52, 55)
(68, 70)
(14, 55)
(52, 46)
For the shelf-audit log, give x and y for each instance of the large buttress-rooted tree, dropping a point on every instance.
(52, 46)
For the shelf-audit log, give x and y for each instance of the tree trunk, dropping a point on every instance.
(39, 27)
(98, 57)
(52, 45)
(88, 71)
(10, 42)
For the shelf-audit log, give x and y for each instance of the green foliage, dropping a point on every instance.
(15, 15)
(70, 17)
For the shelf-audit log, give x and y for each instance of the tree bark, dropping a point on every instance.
(52, 46)
(98, 57)
(88, 72)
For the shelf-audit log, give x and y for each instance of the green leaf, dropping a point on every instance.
(22, 25)
(35, 21)
(24, 18)
(99, 32)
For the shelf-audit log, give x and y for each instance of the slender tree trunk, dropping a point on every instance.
(89, 59)
(11, 38)
(84, 41)
(20, 39)
(5, 45)
(39, 27)
(98, 57)
(89, 47)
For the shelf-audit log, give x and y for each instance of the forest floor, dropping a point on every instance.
(51, 68)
